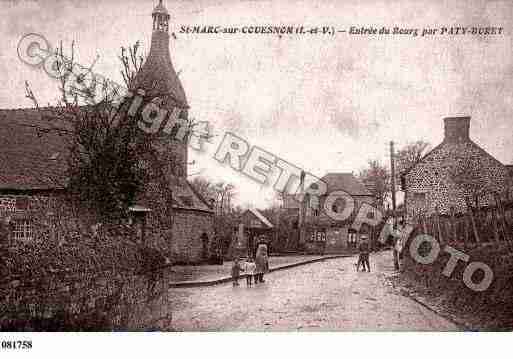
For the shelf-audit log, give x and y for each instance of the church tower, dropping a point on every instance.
(159, 79)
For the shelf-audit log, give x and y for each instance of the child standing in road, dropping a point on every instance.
(250, 268)
(236, 268)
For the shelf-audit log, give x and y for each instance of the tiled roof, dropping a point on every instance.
(261, 217)
(30, 158)
(184, 196)
(345, 182)
(194, 199)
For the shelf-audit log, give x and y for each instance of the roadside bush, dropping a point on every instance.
(76, 285)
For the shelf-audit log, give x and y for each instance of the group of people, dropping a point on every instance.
(253, 268)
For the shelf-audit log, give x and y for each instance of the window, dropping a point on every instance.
(22, 230)
(8, 204)
(318, 236)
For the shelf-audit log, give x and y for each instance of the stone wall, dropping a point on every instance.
(433, 182)
(88, 301)
(188, 244)
(93, 282)
(183, 243)
(73, 276)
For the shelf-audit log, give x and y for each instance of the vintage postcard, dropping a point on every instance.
(254, 166)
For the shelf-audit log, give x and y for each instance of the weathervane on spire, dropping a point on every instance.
(160, 18)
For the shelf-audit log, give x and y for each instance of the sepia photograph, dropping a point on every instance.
(340, 168)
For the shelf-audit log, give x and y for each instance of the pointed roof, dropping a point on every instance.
(260, 217)
(185, 196)
(160, 9)
(158, 76)
(345, 182)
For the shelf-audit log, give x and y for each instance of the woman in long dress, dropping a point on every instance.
(262, 263)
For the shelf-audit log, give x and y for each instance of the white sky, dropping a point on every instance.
(322, 103)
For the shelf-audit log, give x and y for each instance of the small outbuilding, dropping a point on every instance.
(257, 229)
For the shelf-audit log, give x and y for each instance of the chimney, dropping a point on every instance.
(457, 129)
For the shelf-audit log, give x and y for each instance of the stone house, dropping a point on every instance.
(33, 166)
(323, 234)
(454, 174)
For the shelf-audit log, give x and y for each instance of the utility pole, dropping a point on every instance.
(302, 208)
(392, 181)
(392, 185)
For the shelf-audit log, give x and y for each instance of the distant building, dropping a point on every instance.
(370, 185)
(33, 164)
(455, 172)
(257, 228)
(320, 232)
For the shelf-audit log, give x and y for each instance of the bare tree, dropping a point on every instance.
(205, 187)
(225, 192)
(410, 155)
(221, 193)
(226, 214)
(379, 176)
(109, 159)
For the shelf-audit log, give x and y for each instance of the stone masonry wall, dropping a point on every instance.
(87, 301)
(184, 243)
(187, 244)
(96, 281)
(432, 178)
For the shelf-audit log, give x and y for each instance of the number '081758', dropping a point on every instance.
(16, 344)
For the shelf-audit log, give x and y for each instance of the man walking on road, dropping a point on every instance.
(364, 250)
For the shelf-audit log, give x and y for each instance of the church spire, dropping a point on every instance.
(160, 18)
(158, 76)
